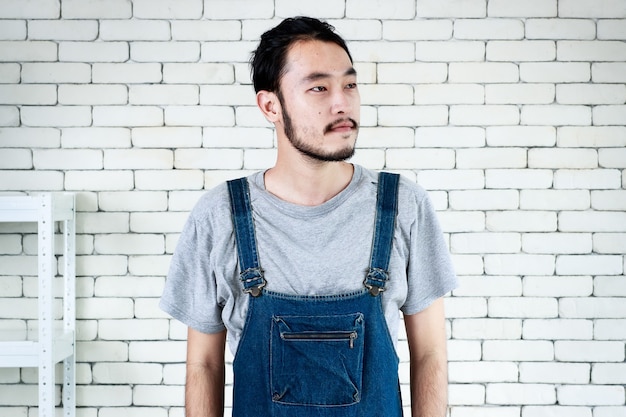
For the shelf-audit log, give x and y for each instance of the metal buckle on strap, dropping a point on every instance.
(374, 289)
(256, 290)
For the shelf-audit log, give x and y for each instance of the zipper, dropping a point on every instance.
(321, 336)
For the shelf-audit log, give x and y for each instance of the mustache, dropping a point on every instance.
(338, 122)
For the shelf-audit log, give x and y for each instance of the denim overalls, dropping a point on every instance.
(315, 356)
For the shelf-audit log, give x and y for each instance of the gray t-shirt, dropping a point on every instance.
(320, 250)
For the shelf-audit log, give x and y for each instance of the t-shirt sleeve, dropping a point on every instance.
(190, 288)
(430, 271)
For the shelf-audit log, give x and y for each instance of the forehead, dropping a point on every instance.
(316, 57)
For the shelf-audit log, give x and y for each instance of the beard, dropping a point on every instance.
(313, 152)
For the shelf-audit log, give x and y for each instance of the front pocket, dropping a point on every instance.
(317, 360)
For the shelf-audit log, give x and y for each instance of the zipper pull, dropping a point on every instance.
(353, 336)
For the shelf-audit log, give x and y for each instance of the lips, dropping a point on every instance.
(341, 125)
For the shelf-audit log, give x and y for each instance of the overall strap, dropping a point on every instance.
(386, 209)
(251, 273)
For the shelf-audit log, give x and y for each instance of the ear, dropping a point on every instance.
(270, 105)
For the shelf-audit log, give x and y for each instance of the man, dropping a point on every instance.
(306, 265)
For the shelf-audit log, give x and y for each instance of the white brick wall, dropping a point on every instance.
(513, 115)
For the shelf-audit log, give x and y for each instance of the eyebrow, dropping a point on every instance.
(322, 75)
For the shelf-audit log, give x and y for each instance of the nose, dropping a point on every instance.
(341, 102)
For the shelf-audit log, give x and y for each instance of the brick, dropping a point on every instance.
(464, 307)
(198, 73)
(559, 29)
(132, 201)
(12, 180)
(483, 72)
(137, 411)
(587, 179)
(482, 372)
(13, 30)
(165, 51)
(533, 8)
(462, 221)
(96, 137)
(412, 73)
(208, 158)
(519, 264)
(486, 286)
(98, 180)
(592, 136)
(126, 73)
(531, 136)
(182, 201)
(557, 243)
(134, 30)
(356, 29)
(562, 158)
(72, 94)
(218, 52)
(465, 394)
(609, 411)
(93, 51)
(424, 158)
(525, 50)
(102, 222)
(104, 395)
(609, 243)
(167, 222)
(446, 51)
(562, 286)
(155, 395)
(238, 9)
(28, 51)
(168, 180)
(612, 158)
(467, 264)
(55, 73)
(236, 95)
(384, 94)
(16, 159)
(590, 50)
(127, 373)
(488, 29)
(63, 159)
(199, 116)
(518, 178)
(259, 159)
(449, 94)
(591, 395)
(592, 221)
(89, 265)
(167, 137)
(521, 221)
(149, 266)
(377, 9)
(30, 9)
(608, 72)
(125, 116)
(511, 393)
(490, 158)
(63, 30)
(591, 94)
(464, 350)
(436, 115)
(611, 29)
(234, 137)
(485, 243)
(558, 115)
(457, 179)
(138, 159)
(205, 30)
(167, 9)
(130, 244)
(449, 137)
(58, 116)
(163, 94)
(248, 116)
(477, 115)
(518, 350)
(558, 329)
(128, 286)
(557, 72)
(19, 395)
(555, 373)
(526, 307)
(9, 73)
(132, 329)
(610, 329)
(418, 29)
(592, 307)
(610, 286)
(608, 373)
(519, 94)
(451, 8)
(481, 329)
(96, 9)
(609, 115)
(382, 51)
(601, 8)
(160, 351)
(99, 308)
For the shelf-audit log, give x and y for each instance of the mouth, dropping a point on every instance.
(342, 125)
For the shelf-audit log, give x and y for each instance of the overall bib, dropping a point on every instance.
(315, 356)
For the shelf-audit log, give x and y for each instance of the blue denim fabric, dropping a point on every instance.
(315, 356)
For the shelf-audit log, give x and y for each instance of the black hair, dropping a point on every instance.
(268, 60)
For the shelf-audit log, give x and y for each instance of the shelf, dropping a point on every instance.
(49, 344)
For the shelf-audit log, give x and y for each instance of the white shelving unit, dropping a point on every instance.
(53, 343)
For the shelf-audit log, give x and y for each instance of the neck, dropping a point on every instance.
(310, 183)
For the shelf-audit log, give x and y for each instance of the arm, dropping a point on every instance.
(204, 389)
(426, 334)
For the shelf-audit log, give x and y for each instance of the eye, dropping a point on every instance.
(351, 86)
(318, 88)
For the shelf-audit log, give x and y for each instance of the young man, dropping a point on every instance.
(306, 265)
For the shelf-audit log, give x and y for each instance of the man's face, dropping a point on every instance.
(320, 101)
